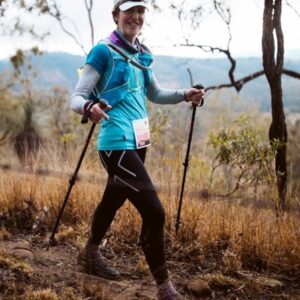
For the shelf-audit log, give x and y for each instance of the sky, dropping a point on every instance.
(164, 31)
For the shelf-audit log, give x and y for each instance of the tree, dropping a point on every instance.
(27, 140)
(22, 130)
(17, 98)
(273, 70)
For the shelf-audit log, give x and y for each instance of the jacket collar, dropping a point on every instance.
(118, 39)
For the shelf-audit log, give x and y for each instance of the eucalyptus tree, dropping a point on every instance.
(191, 13)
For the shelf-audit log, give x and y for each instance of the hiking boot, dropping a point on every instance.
(96, 265)
(166, 291)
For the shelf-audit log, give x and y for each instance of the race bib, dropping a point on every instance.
(141, 132)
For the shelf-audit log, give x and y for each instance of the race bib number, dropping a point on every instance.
(141, 132)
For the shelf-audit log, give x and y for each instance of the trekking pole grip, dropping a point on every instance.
(199, 87)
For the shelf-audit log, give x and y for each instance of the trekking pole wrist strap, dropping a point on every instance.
(86, 111)
(185, 96)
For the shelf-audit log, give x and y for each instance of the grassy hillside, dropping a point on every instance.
(60, 69)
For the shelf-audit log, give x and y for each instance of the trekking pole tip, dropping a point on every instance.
(177, 225)
(52, 242)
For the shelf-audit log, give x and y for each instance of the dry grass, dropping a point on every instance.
(67, 293)
(89, 291)
(235, 233)
(94, 291)
(20, 268)
(245, 237)
(46, 294)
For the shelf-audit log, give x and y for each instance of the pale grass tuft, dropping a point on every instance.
(141, 266)
(231, 262)
(46, 294)
(17, 266)
(66, 234)
(68, 293)
(222, 282)
(94, 290)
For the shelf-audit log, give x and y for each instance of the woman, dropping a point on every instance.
(124, 136)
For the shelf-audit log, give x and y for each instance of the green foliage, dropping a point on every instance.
(245, 150)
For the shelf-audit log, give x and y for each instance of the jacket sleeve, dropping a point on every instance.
(159, 95)
(84, 88)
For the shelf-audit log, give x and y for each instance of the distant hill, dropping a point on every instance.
(60, 69)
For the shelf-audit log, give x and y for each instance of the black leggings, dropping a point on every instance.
(128, 179)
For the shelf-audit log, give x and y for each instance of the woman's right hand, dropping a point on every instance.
(97, 112)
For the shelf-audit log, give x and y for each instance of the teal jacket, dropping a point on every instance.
(124, 87)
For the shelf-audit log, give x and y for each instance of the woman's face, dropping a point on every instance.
(130, 22)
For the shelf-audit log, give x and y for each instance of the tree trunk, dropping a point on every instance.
(27, 144)
(273, 70)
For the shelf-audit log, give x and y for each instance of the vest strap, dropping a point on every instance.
(127, 58)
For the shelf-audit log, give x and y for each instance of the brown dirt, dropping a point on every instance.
(55, 269)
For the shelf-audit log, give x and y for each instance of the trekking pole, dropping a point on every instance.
(72, 180)
(186, 161)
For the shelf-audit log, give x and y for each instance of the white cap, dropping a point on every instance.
(125, 4)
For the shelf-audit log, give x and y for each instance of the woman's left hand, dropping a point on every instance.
(194, 95)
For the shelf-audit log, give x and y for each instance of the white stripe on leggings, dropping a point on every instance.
(117, 177)
(122, 167)
(105, 165)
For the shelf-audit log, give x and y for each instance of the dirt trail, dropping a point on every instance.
(55, 271)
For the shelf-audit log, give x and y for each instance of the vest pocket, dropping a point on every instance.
(117, 86)
(120, 73)
(116, 94)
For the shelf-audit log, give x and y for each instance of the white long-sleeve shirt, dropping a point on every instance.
(90, 77)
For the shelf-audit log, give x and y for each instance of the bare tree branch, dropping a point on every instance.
(89, 8)
(52, 9)
(240, 83)
(232, 61)
(57, 15)
(236, 187)
(224, 12)
(191, 76)
(291, 73)
(248, 78)
(293, 8)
